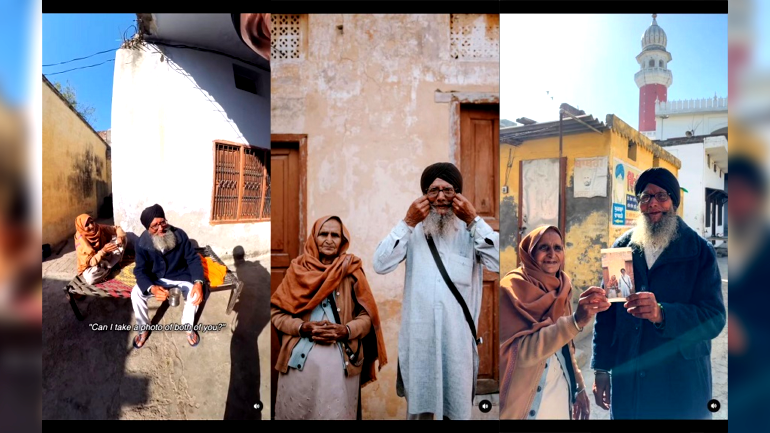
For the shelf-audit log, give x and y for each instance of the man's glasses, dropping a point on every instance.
(448, 192)
(155, 226)
(660, 197)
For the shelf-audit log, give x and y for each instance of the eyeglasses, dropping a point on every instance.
(661, 197)
(448, 192)
(155, 226)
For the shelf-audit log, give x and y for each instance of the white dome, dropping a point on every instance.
(654, 37)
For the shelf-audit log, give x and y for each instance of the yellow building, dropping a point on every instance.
(586, 184)
(76, 167)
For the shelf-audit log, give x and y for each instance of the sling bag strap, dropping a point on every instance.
(453, 289)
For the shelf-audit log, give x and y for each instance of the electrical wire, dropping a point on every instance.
(80, 58)
(82, 67)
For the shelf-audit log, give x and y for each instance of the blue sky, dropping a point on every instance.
(589, 61)
(69, 36)
(15, 48)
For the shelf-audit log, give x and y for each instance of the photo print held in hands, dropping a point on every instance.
(618, 273)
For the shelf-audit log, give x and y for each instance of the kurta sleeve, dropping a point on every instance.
(486, 242)
(392, 250)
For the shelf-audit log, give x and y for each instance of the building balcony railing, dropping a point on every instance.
(691, 106)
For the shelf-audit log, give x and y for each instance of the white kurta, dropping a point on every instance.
(555, 403)
(437, 356)
(625, 285)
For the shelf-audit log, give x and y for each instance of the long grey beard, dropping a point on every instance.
(165, 242)
(655, 236)
(437, 225)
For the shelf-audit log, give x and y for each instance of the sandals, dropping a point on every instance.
(139, 342)
(197, 338)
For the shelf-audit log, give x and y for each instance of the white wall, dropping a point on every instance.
(166, 112)
(678, 124)
(695, 176)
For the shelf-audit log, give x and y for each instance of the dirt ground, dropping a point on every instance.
(92, 374)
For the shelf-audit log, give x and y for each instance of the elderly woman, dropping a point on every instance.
(540, 376)
(329, 329)
(99, 248)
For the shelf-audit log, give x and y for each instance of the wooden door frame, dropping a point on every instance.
(302, 140)
(456, 101)
(562, 199)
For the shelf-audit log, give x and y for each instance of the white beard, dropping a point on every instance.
(655, 237)
(165, 242)
(437, 225)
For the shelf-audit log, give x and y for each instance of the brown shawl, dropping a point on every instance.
(308, 282)
(88, 243)
(535, 300)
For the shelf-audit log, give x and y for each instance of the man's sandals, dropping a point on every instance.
(193, 339)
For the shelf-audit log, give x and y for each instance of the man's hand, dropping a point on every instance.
(463, 208)
(160, 293)
(196, 294)
(330, 333)
(582, 407)
(602, 390)
(110, 247)
(418, 211)
(591, 301)
(643, 305)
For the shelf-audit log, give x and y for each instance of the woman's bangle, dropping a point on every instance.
(574, 320)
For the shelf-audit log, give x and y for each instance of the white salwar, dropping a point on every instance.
(625, 285)
(437, 355)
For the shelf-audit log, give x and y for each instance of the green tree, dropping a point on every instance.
(85, 110)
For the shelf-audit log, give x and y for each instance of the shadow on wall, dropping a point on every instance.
(253, 314)
(214, 76)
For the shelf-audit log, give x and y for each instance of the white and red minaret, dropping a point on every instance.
(653, 78)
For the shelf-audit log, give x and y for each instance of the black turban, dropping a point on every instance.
(149, 214)
(661, 177)
(442, 170)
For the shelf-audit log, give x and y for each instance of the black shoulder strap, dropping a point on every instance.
(450, 284)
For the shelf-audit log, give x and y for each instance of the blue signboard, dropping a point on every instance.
(632, 203)
(618, 214)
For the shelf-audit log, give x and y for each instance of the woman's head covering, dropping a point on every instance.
(530, 299)
(308, 282)
(88, 242)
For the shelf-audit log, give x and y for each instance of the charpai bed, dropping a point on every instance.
(121, 281)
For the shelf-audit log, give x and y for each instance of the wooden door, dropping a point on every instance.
(286, 227)
(479, 162)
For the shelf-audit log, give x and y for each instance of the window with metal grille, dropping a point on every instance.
(241, 191)
(474, 36)
(286, 37)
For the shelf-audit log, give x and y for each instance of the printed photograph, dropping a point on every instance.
(618, 273)
(156, 216)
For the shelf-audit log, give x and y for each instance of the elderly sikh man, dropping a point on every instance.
(444, 243)
(654, 351)
(165, 258)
